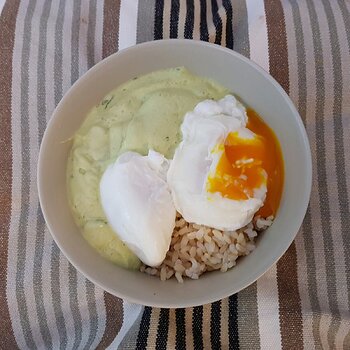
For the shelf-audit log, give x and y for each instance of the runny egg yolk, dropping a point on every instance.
(244, 164)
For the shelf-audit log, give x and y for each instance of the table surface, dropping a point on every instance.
(301, 302)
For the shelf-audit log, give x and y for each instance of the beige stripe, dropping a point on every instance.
(189, 334)
(166, 19)
(172, 330)
(206, 326)
(344, 330)
(210, 23)
(98, 31)
(83, 37)
(324, 328)
(66, 47)
(196, 26)
(182, 19)
(153, 326)
(224, 323)
(222, 14)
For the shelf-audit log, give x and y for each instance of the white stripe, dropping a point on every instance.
(258, 33)
(267, 296)
(131, 313)
(16, 179)
(2, 3)
(127, 23)
(267, 292)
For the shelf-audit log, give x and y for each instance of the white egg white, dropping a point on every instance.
(138, 204)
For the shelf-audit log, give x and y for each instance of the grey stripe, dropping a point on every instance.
(145, 21)
(130, 339)
(39, 241)
(91, 34)
(345, 221)
(339, 163)
(307, 224)
(240, 27)
(58, 52)
(346, 242)
(73, 302)
(91, 304)
(72, 272)
(55, 252)
(90, 287)
(37, 279)
(321, 170)
(248, 320)
(75, 41)
(299, 34)
(56, 295)
(25, 180)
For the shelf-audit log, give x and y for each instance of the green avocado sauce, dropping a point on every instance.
(141, 114)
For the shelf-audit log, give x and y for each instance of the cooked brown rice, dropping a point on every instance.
(195, 249)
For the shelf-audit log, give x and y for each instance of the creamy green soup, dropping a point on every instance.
(143, 113)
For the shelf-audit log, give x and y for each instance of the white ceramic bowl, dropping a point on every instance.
(256, 88)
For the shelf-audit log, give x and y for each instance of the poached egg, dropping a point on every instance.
(138, 204)
(216, 176)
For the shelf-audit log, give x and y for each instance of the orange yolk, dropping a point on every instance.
(244, 164)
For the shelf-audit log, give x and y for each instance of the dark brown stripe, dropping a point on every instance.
(111, 13)
(7, 37)
(277, 40)
(287, 274)
(114, 319)
(114, 305)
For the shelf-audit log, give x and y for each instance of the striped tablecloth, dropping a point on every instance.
(302, 302)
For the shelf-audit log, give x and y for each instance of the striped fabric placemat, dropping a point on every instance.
(302, 302)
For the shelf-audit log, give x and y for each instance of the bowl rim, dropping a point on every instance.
(40, 170)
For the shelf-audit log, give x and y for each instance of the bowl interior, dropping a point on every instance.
(256, 88)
